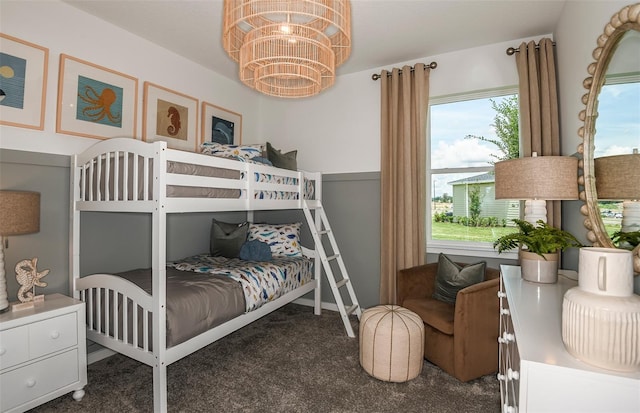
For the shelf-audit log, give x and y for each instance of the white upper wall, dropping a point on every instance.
(64, 29)
(337, 131)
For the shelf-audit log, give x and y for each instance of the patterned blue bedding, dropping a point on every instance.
(261, 281)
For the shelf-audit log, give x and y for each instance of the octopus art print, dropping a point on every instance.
(99, 102)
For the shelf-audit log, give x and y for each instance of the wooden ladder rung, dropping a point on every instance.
(351, 309)
(342, 282)
(333, 257)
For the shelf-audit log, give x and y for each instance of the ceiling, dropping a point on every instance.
(384, 32)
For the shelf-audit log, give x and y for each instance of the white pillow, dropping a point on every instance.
(283, 239)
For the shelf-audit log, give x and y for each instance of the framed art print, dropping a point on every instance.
(171, 117)
(221, 125)
(23, 82)
(95, 102)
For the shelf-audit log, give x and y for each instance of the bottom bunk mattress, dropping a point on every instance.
(195, 302)
(204, 292)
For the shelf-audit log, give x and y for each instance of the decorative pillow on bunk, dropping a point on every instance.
(283, 239)
(227, 239)
(282, 160)
(452, 278)
(255, 250)
(230, 151)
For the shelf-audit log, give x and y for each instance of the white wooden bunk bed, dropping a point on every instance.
(127, 175)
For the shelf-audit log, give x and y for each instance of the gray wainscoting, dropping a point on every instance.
(117, 242)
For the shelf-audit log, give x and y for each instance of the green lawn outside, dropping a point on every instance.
(457, 232)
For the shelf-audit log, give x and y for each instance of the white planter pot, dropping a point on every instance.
(537, 269)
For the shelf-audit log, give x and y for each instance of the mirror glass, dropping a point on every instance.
(611, 127)
(617, 129)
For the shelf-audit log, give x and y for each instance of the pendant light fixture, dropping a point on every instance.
(287, 48)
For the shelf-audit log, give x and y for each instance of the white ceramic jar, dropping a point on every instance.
(601, 317)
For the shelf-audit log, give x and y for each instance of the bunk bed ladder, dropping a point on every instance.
(320, 228)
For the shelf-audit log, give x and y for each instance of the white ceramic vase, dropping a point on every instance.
(601, 317)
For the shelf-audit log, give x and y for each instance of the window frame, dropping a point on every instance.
(466, 248)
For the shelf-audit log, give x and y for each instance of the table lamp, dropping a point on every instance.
(618, 178)
(537, 179)
(19, 214)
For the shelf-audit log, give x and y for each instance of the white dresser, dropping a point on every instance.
(536, 372)
(43, 353)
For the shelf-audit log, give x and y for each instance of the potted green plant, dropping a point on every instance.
(539, 249)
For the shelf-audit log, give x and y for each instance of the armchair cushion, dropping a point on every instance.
(451, 278)
(435, 313)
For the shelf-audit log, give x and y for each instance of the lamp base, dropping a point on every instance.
(4, 301)
(535, 210)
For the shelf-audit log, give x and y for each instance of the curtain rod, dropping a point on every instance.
(431, 65)
(513, 50)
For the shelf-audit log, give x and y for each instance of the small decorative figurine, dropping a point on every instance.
(28, 277)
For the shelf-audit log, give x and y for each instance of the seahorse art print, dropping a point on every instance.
(174, 117)
(28, 277)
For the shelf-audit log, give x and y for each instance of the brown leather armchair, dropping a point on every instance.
(462, 339)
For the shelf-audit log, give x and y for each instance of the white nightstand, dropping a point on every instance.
(43, 353)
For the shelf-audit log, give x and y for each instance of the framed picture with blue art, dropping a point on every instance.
(221, 125)
(95, 102)
(23, 82)
(170, 116)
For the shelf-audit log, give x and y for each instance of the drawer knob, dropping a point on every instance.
(501, 377)
(508, 409)
(55, 334)
(513, 374)
(31, 382)
(508, 337)
(504, 311)
(502, 294)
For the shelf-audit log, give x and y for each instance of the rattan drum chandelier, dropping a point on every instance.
(287, 48)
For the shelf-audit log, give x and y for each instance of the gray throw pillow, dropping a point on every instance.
(227, 239)
(452, 278)
(282, 160)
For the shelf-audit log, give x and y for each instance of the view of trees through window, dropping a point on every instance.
(466, 138)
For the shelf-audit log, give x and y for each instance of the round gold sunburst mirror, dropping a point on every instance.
(616, 60)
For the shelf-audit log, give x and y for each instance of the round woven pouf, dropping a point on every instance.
(391, 343)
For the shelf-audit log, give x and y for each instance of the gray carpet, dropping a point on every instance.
(288, 361)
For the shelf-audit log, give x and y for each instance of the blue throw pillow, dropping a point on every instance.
(255, 250)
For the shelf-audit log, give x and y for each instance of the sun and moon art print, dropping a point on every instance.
(12, 80)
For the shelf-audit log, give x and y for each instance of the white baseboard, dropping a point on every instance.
(310, 303)
(99, 354)
(103, 352)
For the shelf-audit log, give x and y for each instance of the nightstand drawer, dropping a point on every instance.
(52, 335)
(35, 380)
(14, 346)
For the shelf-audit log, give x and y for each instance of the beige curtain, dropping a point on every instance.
(404, 104)
(539, 124)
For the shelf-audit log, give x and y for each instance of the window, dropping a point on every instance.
(463, 215)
